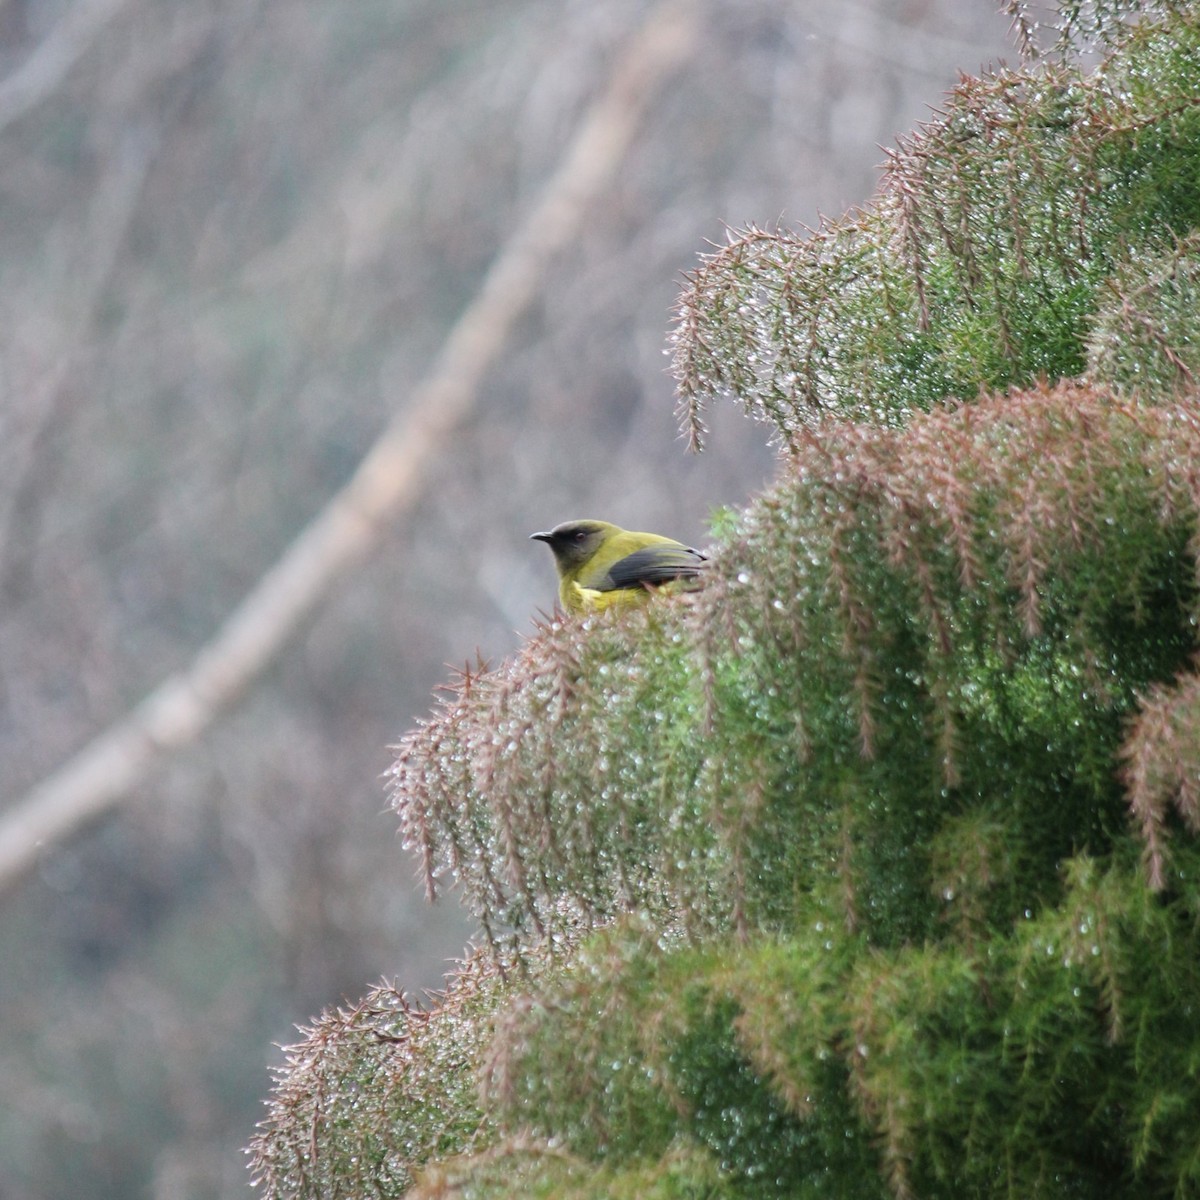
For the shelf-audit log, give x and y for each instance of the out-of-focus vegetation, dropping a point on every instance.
(232, 235)
(869, 869)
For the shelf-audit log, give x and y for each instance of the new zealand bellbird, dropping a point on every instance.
(601, 565)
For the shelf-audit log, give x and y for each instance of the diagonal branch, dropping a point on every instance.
(386, 484)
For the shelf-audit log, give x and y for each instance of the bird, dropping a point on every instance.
(603, 566)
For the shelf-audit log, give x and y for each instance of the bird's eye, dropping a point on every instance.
(577, 536)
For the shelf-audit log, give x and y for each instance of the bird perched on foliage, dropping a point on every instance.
(602, 566)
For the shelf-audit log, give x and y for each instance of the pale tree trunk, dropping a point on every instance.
(386, 484)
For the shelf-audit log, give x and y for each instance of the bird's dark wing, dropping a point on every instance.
(652, 566)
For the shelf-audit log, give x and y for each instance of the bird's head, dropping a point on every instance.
(574, 542)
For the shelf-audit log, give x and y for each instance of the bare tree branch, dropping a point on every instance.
(386, 484)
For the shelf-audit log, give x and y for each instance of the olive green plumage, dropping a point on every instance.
(602, 565)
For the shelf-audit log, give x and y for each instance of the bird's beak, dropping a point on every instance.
(540, 537)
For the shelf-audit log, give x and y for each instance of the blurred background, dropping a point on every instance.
(233, 235)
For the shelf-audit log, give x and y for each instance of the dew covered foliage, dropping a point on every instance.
(1000, 232)
(871, 867)
(373, 1089)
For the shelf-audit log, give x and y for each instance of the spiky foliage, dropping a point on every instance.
(904, 610)
(1143, 335)
(1080, 26)
(378, 1088)
(868, 869)
(991, 249)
